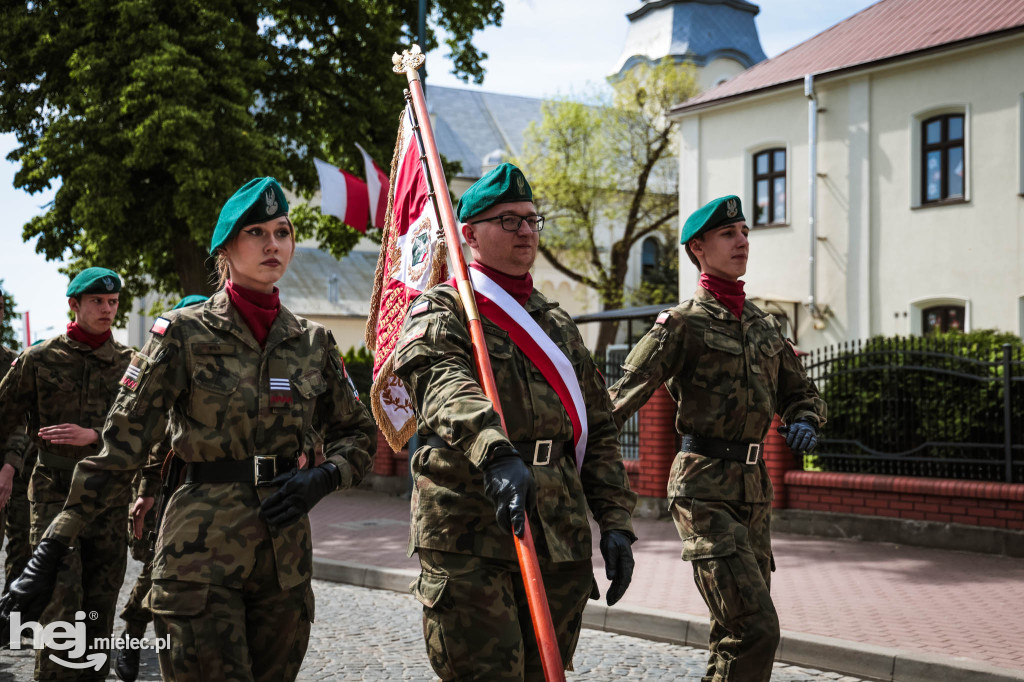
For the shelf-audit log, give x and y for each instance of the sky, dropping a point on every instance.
(543, 48)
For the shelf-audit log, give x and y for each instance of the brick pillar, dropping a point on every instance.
(779, 459)
(657, 444)
(383, 462)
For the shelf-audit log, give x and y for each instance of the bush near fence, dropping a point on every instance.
(930, 406)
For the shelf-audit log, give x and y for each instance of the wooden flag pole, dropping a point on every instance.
(408, 63)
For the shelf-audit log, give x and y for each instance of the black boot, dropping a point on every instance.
(126, 660)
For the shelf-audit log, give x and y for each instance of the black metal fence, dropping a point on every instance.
(629, 436)
(921, 406)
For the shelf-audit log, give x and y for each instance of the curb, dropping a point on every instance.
(852, 658)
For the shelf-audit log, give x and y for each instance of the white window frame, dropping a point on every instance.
(918, 118)
(919, 306)
(748, 180)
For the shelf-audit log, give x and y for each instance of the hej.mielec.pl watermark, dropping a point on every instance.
(61, 635)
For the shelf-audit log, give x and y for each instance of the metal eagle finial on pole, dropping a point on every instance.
(408, 63)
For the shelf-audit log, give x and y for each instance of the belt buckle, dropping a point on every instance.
(753, 452)
(542, 453)
(264, 469)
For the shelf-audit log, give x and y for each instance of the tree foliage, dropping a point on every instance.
(605, 177)
(150, 114)
(7, 335)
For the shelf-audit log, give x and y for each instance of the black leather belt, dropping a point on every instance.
(259, 470)
(732, 450)
(536, 452)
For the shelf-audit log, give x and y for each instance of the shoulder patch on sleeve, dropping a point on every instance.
(130, 380)
(419, 309)
(662, 318)
(14, 362)
(160, 326)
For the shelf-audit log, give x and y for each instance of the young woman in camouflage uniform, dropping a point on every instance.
(237, 382)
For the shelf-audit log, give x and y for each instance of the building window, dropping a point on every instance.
(943, 318)
(770, 187)
(943, 170)
(650, 257)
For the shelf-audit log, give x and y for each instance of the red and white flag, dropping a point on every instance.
(379, 186)
(343, 195)
(413, 258)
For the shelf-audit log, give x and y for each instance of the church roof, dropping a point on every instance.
(306, 286)
(887, 30)
(697, 31)
(471, 125)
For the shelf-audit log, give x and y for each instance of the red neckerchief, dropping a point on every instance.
(729, 294)
(259, 310)
(518, 288)
(94, 341)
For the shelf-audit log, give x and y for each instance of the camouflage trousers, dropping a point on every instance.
(476, 621)
(89, 580)
(254, 633)
(16, 529)
(729, 546)
(135, 614)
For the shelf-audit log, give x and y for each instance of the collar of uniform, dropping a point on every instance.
(104, 352)
(716, 309)
(220, 314)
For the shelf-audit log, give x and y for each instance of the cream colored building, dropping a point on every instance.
(901, 129)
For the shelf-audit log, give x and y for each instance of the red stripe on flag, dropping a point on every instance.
(535, 354)
(357, 208)
(382, 199)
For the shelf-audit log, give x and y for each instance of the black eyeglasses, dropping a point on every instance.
(511, 223)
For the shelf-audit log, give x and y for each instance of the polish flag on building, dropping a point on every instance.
(343, 195)
(378, 185)
(413, 258)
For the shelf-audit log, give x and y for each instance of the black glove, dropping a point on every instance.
(618, 562)
(31, 591)
(509, 485)
(300, 490)
(801, 436)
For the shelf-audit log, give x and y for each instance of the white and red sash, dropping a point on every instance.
(500, 308)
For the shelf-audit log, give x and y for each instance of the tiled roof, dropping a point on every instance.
(470, 124)
(306, 283)
(886, 30)
(692, 31)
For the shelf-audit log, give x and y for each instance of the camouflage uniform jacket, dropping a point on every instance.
(450, 511)
(729, 378)
(205, 381)
(60, 381)
(12, 452)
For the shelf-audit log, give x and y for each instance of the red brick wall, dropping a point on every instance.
(999, 505)
(649, 475)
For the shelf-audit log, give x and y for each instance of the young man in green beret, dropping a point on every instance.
(729, 369)
(61, 390)
(476, 480)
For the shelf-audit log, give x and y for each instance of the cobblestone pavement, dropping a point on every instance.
(363, 634)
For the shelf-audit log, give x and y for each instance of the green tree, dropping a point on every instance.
(606, 178)
(7, 314)
(151, 113)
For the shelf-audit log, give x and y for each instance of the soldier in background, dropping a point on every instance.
(238, 382)
(475, 481)
(141, 539)
(61, 390)
(729, 369)
(15, 467)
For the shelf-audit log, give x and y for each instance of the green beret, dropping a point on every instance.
(189, 300)
(504, 184)
(94, 281)
(721, 211)
(257, 201)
